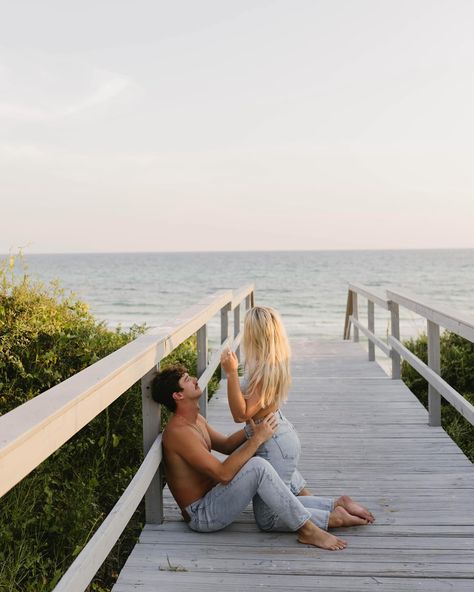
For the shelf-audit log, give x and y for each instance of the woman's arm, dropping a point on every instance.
(223, 443)
(241, 408)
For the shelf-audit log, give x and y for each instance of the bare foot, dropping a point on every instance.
(341, 517)
(305, 491)
(354, 508)
(310, 534)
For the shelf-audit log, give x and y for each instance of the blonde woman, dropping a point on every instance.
(264, 388)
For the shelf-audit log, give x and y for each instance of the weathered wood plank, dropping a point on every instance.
(196, 582)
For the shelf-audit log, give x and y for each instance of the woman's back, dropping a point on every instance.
(267, 359)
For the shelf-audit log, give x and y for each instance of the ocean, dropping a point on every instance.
(309, 288)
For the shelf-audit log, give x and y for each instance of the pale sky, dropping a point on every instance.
(185, 125)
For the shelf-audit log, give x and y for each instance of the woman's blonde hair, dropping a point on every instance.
(267, 355)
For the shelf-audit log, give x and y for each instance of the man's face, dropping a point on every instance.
(190, 387)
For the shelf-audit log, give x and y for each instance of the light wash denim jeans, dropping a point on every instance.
(297, 482)
(224, 503)
(283, 451)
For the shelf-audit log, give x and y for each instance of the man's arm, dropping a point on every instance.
(191, 449)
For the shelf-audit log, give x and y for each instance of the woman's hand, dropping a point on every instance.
(229, 362)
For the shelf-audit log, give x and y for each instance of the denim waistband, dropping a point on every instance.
(188, 511)
(278, 413)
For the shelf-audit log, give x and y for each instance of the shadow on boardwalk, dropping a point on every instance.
(362, 434)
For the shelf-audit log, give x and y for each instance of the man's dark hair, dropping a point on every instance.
(165, 383)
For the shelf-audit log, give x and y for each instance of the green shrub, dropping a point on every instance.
(47, 336)
(457, 368)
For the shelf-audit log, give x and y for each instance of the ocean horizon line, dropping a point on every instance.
(246, 251)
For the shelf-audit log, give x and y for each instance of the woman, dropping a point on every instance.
(265, 387)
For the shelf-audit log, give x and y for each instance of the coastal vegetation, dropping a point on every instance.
(457, 368)
(46, 336)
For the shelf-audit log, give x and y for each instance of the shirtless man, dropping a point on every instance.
(211, 493)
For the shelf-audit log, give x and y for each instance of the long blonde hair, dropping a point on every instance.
(267, 355)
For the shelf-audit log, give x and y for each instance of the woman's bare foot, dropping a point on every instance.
(354, 508)
(341, 517)
(310, 534)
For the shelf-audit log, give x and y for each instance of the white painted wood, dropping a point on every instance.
(395, 331)
(355, 315)
(437, 313)
(151, 413)
(347, 322)
(371, 327)
(225, 333)
(434, 362)
(370, 336)
(212, 365)
(237, 329)
(202, 353)
(371, 294)
(92, 556)
(457, 401)
(248, 302)
(237, 340)
(242, 294)
(34, 430)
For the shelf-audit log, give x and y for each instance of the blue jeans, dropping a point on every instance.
(283, 451)
(224, 503)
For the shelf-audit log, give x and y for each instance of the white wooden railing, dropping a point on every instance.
(436, 317)
(33, 431)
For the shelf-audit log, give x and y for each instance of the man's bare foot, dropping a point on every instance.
(310, 534)
(305, 491)
(341, 517)
(354, 508)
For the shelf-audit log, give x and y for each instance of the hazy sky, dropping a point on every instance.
(146, 125)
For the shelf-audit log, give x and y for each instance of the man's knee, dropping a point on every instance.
(258, 464)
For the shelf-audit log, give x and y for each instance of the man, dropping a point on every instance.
(211, 494)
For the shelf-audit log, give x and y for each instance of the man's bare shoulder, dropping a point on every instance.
(177, 433)
(174, 430)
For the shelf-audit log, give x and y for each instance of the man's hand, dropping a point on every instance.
(229, 361)
(264, 430)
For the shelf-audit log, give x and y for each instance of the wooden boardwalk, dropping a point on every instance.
(362, 434)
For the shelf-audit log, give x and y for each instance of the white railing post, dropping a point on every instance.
(355, 314)
(347, 319)
(371, 326)
(237, 327)
(224, 329)
(151, 415)
(248, 302)
(434, 362)
(395, 330)
(202, 352)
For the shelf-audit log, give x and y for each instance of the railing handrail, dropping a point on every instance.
(436, 315)
(464, 407)
(33, 431)
(454, 321)
(86, 564)
(241, 294)
(373, 294)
